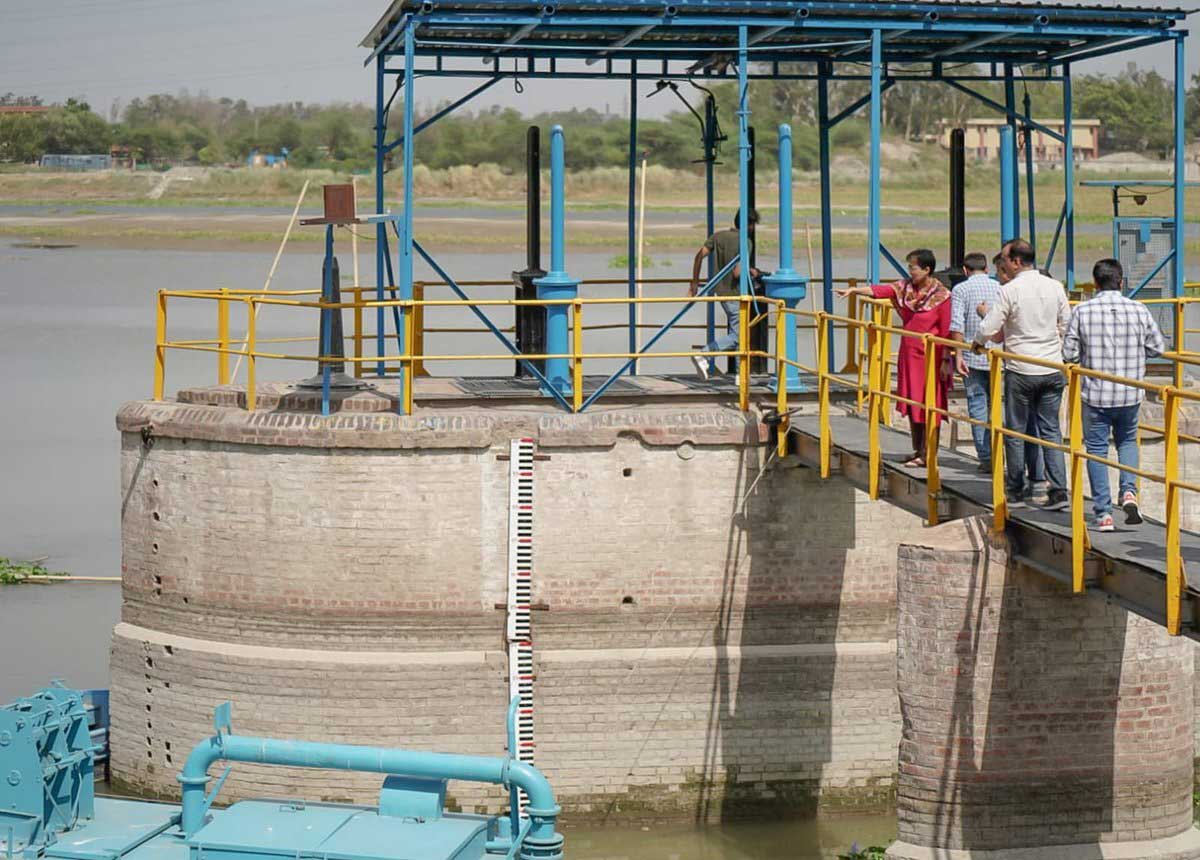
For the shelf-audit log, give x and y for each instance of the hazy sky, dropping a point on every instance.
(105, 50)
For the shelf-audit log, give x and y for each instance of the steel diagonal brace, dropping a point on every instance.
(1012, 114)
(483, 318)
(704, 291)
(856, 106)
(449, 109)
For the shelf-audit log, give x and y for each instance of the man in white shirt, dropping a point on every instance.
(1031, 316)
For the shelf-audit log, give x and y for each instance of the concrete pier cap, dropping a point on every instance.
(1035, 723)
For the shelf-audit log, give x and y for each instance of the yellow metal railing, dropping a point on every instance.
(875, 391)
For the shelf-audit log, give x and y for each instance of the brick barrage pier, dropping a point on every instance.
(714, 629)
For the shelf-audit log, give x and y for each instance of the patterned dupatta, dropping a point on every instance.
(917, 300)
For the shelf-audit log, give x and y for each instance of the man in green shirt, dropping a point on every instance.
(724, 245)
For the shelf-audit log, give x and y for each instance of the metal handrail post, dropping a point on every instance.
(744, 352)
(996, 427)
(823, 392)
(251, 358)
(933, 479)
(223, 337)
(577, 356)
(875, 401)
(160, 345)
(1079, 538)
(781, 382)
(1174, 572)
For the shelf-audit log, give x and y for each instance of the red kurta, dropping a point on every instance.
(910, 360)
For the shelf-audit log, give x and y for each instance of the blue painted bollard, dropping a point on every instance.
(786, 284)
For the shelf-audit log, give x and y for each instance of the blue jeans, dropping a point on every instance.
(1035, 458)
(728, 342)
(1039, 397)
(1119, 423)
(979, 402)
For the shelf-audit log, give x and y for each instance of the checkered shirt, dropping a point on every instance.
(1112, 334)
(964, 299)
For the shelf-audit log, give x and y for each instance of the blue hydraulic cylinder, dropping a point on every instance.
(1009, 228)
(785, 283)
(557, 284)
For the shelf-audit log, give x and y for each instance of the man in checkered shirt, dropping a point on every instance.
(1112, 334)
(978, 289)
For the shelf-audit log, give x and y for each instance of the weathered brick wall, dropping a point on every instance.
(1033, 717)
(713, 635)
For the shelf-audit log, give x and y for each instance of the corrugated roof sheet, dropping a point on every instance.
(964, 30)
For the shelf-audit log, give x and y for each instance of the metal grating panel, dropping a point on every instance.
(1141, 244)
(508, 386)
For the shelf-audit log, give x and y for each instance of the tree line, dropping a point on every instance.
(1135, 108)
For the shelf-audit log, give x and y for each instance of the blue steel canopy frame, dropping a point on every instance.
(746, 40)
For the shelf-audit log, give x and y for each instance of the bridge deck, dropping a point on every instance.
(1128, 564)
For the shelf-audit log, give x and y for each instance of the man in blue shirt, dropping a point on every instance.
(978, 290)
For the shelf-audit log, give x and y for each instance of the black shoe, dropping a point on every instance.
(984, 468)
(1014, 502)
(1059, 500)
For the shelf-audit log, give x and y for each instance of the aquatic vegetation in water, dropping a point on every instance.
(875, 852)
(15, 572)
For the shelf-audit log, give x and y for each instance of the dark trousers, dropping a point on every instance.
(1038, 398)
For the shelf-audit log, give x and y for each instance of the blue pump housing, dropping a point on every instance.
(48, 808)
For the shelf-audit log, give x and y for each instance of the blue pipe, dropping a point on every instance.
(1030, 200)
(381, 259)
(710, 213)
(876, 131)
(1010, 109)
(557, 284)
(1069, 174)
(743, 113)
(1009, 228)
(406, 241)
(632, 221)
(542, 842)
(785, 284)
(826, 203)
(1180, 166)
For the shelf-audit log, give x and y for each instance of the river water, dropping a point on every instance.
(77, 341)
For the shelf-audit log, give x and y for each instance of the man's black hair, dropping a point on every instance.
(737, 218)
(1020, 251)
(923, 257)
(975, 262)
(1108, 274)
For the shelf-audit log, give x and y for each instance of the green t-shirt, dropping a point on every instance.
(724, 245)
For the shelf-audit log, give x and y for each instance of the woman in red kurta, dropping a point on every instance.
(923, 303)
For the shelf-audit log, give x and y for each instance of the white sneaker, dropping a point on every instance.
(701, 363)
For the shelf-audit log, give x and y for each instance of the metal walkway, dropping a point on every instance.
(1127, 566)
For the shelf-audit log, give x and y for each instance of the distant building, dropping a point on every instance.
(76, 163)
(983, 139)
(10, 109)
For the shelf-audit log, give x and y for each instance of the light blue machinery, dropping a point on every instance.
(48, 808)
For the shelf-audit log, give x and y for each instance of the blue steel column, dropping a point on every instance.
(406, 241)
(1009, 223)
(380, 228)
(633, 249)
(785, 284)
(743, 161)
(1180, 166)
(557, 284)
(1069, 174)
(710, 213)
(1010, 103)
(1030, 199)
(873, 204)
(826, 198)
